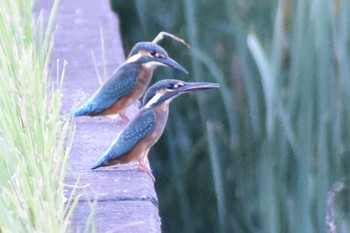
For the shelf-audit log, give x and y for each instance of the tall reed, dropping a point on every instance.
(34, 138)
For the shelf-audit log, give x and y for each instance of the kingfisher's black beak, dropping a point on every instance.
(196, 86)
(172, 63)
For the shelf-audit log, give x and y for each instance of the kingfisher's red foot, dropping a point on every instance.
(125, 119)
(142, 167)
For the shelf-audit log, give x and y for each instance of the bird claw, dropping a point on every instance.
(142, 167)
(125, 119)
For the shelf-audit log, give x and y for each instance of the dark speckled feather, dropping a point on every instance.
(135, 131)
(120, 84)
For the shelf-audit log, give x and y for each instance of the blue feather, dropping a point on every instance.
(120, 84)
(132, 134)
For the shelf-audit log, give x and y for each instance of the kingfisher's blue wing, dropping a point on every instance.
(121, 83)
(138, 129)
(134, 132)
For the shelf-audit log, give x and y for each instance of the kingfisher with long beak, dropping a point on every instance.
(129, 82)
(140, 134)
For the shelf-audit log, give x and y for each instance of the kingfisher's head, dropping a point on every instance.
(151, 56)
(168, 89)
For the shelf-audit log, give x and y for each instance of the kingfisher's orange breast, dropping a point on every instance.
(123, 103)
(141, 149)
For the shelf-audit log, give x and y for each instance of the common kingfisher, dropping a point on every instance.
(129, 82)
(140, 134)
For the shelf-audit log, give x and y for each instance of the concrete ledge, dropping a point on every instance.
(125, 198)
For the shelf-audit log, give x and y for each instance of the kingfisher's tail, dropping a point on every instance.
(81, 111)
(100, 163)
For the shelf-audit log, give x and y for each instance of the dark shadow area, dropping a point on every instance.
(236, 160)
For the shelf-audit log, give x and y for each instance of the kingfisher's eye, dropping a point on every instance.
(153, 53)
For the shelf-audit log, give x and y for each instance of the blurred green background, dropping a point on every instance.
(260, 154)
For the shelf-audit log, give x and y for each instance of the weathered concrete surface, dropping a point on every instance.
(126, 200)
